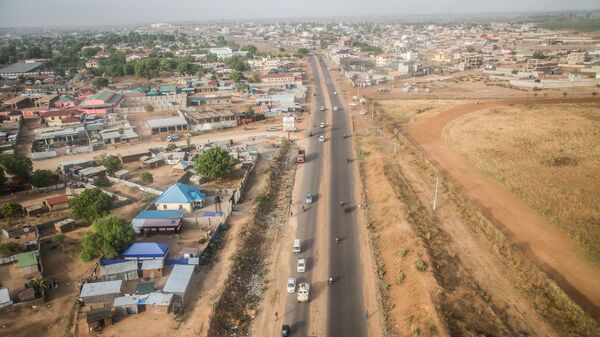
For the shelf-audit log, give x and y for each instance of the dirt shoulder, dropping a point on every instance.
(552, 251)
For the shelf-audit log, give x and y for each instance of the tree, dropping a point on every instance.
(100, 82)
(170, 147)
(111, 235)
(236, 76)
(146, 178)
(470, 49)
(59, 239)
(249, 112)
(214, 163)
(11, 210)
(43, 178)
(17, 165)
(149, 108)
(91, 204)
(2, 178)
(111, 162)
(10, 248)
(39, 284)
(300, 53)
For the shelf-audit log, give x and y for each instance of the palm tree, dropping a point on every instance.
(39, 284)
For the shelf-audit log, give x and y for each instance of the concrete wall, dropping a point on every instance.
(555, 84)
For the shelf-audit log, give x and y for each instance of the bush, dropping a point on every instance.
(10, 248)
(11, 210)
(111, 235)
(214, 163)
(100, 82)
(146, 178)
(111, 162)
(421, 265)
(43, 178)
(91, 204)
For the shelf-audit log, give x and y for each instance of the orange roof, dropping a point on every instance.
(59, 199)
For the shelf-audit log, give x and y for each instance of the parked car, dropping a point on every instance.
(291, 285)
(321, 139)
(301, 266)
(173, 138)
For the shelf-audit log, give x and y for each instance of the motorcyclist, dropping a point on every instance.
(341, 203)
(337, 240)
(330, 279)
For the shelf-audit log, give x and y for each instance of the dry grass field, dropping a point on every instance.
(405, 111)
(547, 155)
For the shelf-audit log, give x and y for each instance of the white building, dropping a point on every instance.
(222, 52)
(289, 123)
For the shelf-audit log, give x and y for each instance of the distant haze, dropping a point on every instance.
(39, 13)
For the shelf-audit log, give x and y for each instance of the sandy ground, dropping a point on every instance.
(553, 251)
(209, 284)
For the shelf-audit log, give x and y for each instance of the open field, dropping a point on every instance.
(547, 155)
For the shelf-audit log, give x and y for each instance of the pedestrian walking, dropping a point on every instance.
(276, 315)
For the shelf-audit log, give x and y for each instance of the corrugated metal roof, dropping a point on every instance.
(158, 299)
(4, 297)
(179, 279)
(126, 300)
(160, 214)
(27, 259)
(152, 264)
(101, 288)
(20, 67)
(118, 268)
(166, 122)
(180, 193)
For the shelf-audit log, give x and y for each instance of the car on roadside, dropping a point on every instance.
(322, 108)
(301, 265)
(322, 125)
(335, 92)
(291, 285)
(335, 108)
(321, 139)
(309, 198)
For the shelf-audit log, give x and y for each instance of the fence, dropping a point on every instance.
(7, 260)
(134, 185)
(43, 155)
(49, 188)
(555, 84)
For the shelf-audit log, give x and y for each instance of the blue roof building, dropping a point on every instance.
(181, 197)
(146, 251)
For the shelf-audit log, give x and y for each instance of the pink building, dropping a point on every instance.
(65, 101)
(102, 102)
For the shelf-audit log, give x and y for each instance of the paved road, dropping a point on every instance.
(297, 314)
(346, 310)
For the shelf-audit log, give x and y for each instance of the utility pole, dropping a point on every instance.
(437, 179)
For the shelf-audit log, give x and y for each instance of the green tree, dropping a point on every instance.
(2, 178)
(11, 210)
(470, 49)
(91, 204)
(18, 166)
(146, 178)
(110, 236)
(236, 76)
(39, 284)
(302, 52)
(236, 63)
(249, 112)
(43, 178)
(149, 108)
(111, 162)
(59, 239)
(214, 163)
(10, 248)
(170, 147)
(100, 82)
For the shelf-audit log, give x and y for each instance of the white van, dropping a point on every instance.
(297, 246)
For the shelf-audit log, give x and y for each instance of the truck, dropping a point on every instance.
(173, 138)
(301, 156)
(303, 291)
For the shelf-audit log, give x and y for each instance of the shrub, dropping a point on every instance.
(421, 265)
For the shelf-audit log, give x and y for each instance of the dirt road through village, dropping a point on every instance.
(552, 250)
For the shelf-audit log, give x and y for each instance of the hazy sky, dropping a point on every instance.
(21, 13)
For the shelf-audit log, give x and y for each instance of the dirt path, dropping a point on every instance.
(552, 250)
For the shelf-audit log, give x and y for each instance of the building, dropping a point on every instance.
(29, 264)
(5, 298)
(126, 305)
(152, 269)
(158, 302)
(222, 52)
(118, 135)
(27, 68)
(181, 196)
(57, 203)
(98, 318)
(146, 251)
(576, 57)
(133, 156)
(178, 284)
(277, 78)
(170, 124)
(101, 293)
(211, 120)
(91, 172)
(102, 102)
(126, 271)
(61, 117)
(158, 221)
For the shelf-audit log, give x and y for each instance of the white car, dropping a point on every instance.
(291, 285)
(364, 112)
(322, 108)
(301, 266)
(322, 125)
(335, 92)
(309, 198)
(321, 139)
(335, 108)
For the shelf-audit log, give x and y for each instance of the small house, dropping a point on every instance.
(158, 221)
(158, 302)
(152, 269)
(122, 174)
(146, 251)
(181, 196)
(35, 210)
(57, 203)
(29, 264)
(178, 284)
(126, 271)
(189, 252)
(126, 305)
(5, 298)
(91, 172)
(101, 293)
(65, 225)
(98, 318)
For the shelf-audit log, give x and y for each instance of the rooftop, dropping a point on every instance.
(27, 259)
(179, 279)
(158, 299)
(118, 268)
(165, 122)
(59, 199)
(180, 193)
(126, 300)
(147, 249)
(157, 214)
(152, 264)
(98, 315)
(101, 288)
(20, 67)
